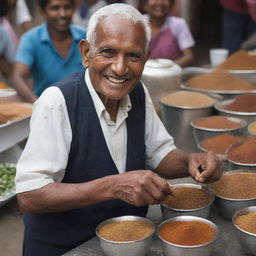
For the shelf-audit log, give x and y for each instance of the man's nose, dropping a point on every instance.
(119, 66)
(62, 12)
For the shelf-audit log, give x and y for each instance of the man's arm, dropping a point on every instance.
(19, 81)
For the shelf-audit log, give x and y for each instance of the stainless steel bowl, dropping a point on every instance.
(227, 206)
(204, 212)
(133, 248)
(220, 105)
(171, 249)
(201, 133)
(246, 239)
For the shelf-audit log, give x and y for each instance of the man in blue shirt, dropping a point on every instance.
(48, 52)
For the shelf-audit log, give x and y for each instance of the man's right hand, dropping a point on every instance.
(140, 187)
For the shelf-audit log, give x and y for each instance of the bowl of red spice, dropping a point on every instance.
(187, 199)
(242, 155)
(244, 222)
(243, 106)
(125, 235)
(187, 236)
(233, 191)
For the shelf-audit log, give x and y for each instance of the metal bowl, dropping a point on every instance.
(246, 239)
(171, 249)
(201, 133)
(204, 212)
(220, 105)
(227, 206)
(134, 248)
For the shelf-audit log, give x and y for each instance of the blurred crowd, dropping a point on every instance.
(34, 55)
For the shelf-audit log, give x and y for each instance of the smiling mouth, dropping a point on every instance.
(116, 80)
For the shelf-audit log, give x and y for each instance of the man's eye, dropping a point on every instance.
(135, 56)
(107, 52)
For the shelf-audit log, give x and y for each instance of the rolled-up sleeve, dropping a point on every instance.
(45, 156)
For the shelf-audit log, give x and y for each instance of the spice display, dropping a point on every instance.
(219, 80)
(243, 103)
(11, 111)
(217, 122)
(252, 128)
(240, 185)
(188, 99)
(188, 198)
(218, 144)
(187, 233)
(244, 152)
(247, 222)
(239, 60)
(124, 231)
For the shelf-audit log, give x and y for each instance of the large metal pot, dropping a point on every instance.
(161, 76)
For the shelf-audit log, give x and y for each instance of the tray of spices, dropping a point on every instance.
(7, 186)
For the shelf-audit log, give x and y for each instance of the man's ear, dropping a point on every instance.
(84, 47)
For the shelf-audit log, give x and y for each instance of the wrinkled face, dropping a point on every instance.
(117, 58)
(58, 14)
(159, 8)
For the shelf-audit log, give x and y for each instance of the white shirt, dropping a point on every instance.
(45, 156)
(22, 12)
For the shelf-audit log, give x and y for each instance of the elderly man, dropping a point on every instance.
(92, 136)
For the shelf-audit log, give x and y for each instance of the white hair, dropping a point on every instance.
(126, 11)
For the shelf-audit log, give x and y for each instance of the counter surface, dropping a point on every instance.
(226, 244)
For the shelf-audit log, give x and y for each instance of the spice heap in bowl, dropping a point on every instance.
(187, 236)
(252, 128)
(125, 235)
(242, 154)
(244, 222)
(187, 199)
(233, 191)
(243, 106)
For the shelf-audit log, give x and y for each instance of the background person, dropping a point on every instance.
(171, 38)
(92, 136)
(48, 52)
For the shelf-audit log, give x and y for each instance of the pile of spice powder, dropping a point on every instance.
(125, 231)
(188, 99)
(219, 80)
(240, 185)
(243, 103)
(244, 152)
(187, 233)
(217, 122)
(218, 144)
(13, 111)
(239, 60)
(187, 198)
(252, 128)
(247, 222)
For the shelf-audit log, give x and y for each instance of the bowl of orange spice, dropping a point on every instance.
(126, 235)
(187, 236)
(244, 221)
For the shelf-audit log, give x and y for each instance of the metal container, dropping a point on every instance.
(204, 212)
(220, 107)
(246, 239)
(161, 76)
(193, 71)
(171, 249)
(227, 206)
(248, 75)
(133, 248)
(177, 119)
(202, 133)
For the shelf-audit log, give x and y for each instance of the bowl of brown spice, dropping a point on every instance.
(187, 236)
(188, 199)
(233, 191)
(125, 235)
(244, 222)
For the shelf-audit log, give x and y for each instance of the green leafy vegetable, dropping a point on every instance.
(7, 175)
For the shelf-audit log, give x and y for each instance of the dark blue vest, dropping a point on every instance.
(89, 159)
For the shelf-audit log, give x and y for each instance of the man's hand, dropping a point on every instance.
(141, 187)
(205, 167)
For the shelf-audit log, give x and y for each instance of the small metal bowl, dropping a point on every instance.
(171, 249)
(246, 239)
(227, 206)
(204, 212)
(132, 248)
